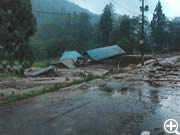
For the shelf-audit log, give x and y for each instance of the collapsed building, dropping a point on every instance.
(105, 52)
(71, 59)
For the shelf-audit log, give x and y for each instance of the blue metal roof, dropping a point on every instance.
(70, 55)
(104, 53)
(40, 71)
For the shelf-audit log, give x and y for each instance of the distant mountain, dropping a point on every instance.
(43, 9)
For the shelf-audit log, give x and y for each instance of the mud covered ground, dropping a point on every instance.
(14, 85)
(126, 103)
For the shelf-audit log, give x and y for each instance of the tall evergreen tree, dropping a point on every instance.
(17, 24)
(174, 33)
(84, 27)
(106, 24)
(158, 25)
(128, 33)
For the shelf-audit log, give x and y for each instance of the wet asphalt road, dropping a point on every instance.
(120, 108)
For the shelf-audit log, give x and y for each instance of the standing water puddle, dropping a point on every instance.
(124, 108)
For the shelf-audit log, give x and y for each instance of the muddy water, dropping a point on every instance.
(120, 108)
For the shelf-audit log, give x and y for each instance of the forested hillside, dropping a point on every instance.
(62, 25)
(48, 10)
(70, 32)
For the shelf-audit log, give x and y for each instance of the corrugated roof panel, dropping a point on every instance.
(104, 53)
(70, 55)
(40, 71)
(69, 63)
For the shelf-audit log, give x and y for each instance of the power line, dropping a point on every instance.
(43, 12)
(134, 12)
(47, 12)
(125, 8)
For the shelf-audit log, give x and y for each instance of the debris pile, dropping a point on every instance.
(165, 69)
(12, 69)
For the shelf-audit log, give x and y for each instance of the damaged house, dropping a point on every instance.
(99, 54)
(70, 58)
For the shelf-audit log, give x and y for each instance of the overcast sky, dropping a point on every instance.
(170, 7)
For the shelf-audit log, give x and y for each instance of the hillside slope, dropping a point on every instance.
(43, 9)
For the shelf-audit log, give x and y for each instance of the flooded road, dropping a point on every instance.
(119, 108)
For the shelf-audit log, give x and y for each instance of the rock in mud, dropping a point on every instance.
(67, 79)
(83, 86)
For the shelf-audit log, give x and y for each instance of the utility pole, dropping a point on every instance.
(142, 36)
(142, 41)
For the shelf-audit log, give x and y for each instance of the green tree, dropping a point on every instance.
(57, 46)
(135, 34)
(17, 24)
(127, 34)
(68, 32)
(174, 33)
(158, 25)
(106, 24)
(84, 26)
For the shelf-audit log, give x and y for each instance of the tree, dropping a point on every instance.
(158, 25)
(84, 29)
(136, 30)
(106, 24)
(68, 33)
(174, 33)
(84, 26)
(17, 25)
(127, 34)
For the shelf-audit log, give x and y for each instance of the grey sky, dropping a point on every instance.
(170, 7)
